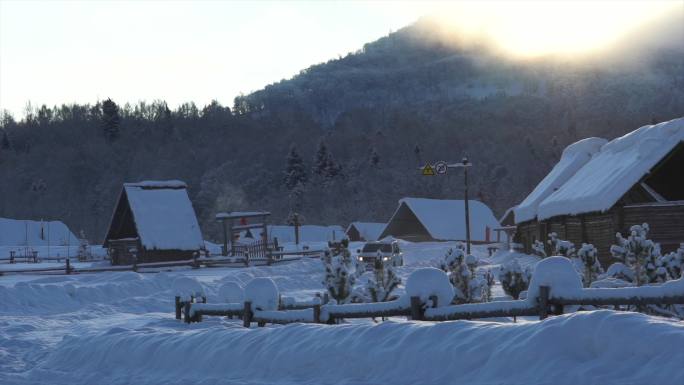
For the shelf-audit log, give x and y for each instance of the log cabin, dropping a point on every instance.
(600, 188)
(153, 221)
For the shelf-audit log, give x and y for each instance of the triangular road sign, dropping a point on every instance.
(428, 170)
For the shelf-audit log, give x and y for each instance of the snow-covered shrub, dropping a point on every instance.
(590, 265)
(674, 262)
(514, 279)
(561, 247)
(559, 274)
(339, 277)
(427, 282)
(231, 292)
(384, 281)
(640, 254)
(538, 249)
(461, 269)
(263, 294)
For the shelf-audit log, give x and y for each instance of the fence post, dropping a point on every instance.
(68, 266)
(11, 256)
(326, 298)
(416, 309)
(178, 308)
(317, 313)
(186, 311)
(247, 314)
(543, 302)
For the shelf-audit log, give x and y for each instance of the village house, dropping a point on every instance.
(364, 231)
(599, 188)
(420, 220)
(152, 222)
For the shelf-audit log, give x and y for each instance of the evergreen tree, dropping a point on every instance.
(384, 281)
(110, 120)
(640, 254)
(591, 267)
(324, 163)
(461, 268)
(321, 159)
(514, 280)
(295, 172)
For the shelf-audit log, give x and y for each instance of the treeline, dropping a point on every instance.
(339, 142)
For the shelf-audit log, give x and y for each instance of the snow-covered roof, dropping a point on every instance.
(589, 179)
(369, 231)
(16, 232)
(164, 216)
(307, 233)
(614, 170)
(573, 158)
(444, 219)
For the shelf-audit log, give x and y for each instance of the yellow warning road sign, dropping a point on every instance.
(428, 170)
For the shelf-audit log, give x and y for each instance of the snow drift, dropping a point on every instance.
(580, 348)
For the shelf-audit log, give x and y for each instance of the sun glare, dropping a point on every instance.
(554, 27)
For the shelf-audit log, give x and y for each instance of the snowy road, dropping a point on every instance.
(118, 328)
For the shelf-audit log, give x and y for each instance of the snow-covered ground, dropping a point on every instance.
(119, 328)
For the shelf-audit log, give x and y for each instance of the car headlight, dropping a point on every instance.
(385, 258)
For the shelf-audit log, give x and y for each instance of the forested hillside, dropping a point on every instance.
(342, 140)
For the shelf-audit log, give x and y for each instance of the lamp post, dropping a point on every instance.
(465, 164)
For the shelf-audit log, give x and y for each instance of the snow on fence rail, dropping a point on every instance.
(669, 293)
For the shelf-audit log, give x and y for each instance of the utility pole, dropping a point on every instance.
(465, 164)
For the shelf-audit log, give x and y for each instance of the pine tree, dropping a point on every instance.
(514, 280)
(591, 267)
(295, 172)
(384, 281)
(110, 120)
(461, 269)
(338, 279)
(639, 253)
(321, 159)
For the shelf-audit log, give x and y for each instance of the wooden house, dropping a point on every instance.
(153, 221)
(420, 220)
(600, 188)
(364, 231)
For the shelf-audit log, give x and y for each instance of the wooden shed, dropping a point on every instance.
(421, 219)
(364, 231)
(601, 188)
(153, 221)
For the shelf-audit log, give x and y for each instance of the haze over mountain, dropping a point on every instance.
(421, 94)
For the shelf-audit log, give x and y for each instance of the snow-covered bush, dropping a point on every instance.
(461, 269)
(591, 267)
(538, 249)
(263, 294)
(640, 254)
(514, 279)
(561, 247)
(231, 292)
(383, 282)
(427, 282)
(339, 277)
(674, 262)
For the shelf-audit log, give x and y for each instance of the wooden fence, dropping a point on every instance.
(68, 268)
(414, 309)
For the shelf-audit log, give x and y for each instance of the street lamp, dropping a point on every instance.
(440, 168)
(465, 164)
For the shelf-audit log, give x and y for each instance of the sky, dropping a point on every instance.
(54, 52)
